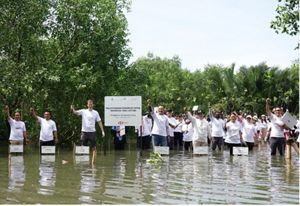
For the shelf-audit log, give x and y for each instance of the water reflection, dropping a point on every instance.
(16, 172)
(88, 184)
(120, 188)
(47, 174)
(125, 177)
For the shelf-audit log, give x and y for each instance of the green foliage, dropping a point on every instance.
(287, 19)
(226, 88)
(155, 158)
(55, 53)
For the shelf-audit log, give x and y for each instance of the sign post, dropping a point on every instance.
(123, 110)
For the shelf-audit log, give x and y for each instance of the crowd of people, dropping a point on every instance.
(187, 131)
(183, 131)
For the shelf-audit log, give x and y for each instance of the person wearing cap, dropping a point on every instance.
(277, 140)
(257, 126)
(217, 129)
(187, 129)
(201, 128)
(233, 133)
(248, 132)
(264, 127)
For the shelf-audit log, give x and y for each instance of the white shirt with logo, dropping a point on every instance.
(47, 129)
(17, 128)
(89, 118)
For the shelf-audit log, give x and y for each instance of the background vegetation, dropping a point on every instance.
(57, 52)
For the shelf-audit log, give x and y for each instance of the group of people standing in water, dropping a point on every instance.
(187, 130)
(160, 128)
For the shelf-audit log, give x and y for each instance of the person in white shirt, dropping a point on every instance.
(160, 128)
(17, 128)
(146, 131)
(277, 140)
(88, 129)
(257, 126)
(188, 131)
(172, 126)
(249, 132)
(217, 129)
(178, 136)
(233, 132)
(48, 133)
(264, 127)
(201, 129)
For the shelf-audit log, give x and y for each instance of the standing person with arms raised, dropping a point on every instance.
(88, 130)
(277, 140)
(160, 126)
(201, 128)
(17, 128)
(48, 133)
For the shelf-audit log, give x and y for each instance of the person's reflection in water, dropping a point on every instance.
(47, 175)
(88, 184)
(16, 172)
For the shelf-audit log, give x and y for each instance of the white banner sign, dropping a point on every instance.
(123, 110)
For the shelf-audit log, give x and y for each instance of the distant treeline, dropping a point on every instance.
(57, 53)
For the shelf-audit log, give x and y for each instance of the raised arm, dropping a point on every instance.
(149, 107)
(268, 111)
(33, 113)
(210, 113)
(190, 117)
(7, 115)
(74, 111)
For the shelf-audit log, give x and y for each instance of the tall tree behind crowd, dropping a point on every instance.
(56, 52)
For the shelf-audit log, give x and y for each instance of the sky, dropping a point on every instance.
(203, 32)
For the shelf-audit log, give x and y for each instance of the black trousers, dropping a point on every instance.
(218, 141)
(277, 143)
(144, 142)
(188, 145)
(178, 140)
(231, 145)
(250, 145)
